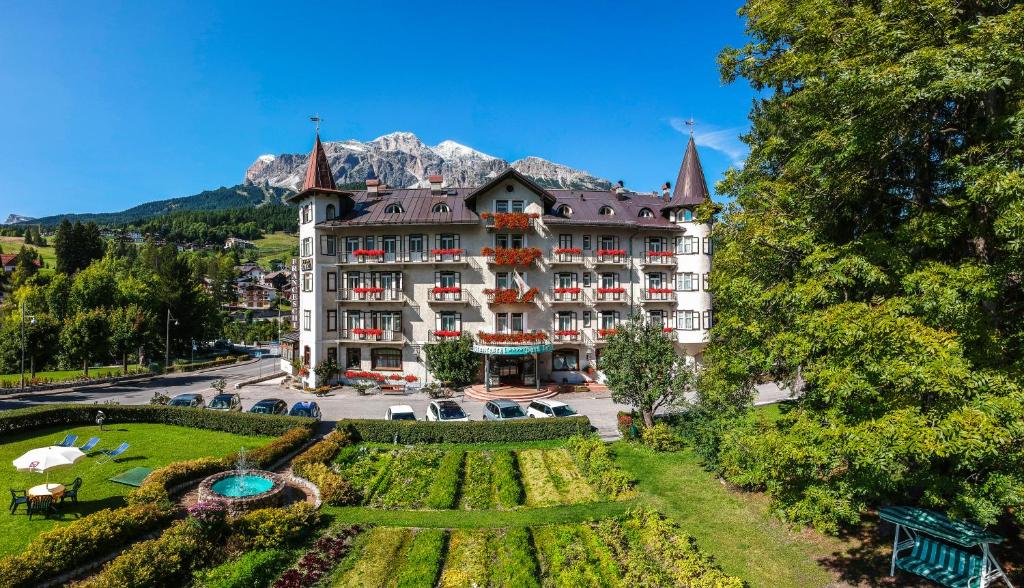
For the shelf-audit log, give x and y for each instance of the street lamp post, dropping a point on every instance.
(167, 341)
(33, 318)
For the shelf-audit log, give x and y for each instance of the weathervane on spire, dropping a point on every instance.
(316, 119)
(691, 123)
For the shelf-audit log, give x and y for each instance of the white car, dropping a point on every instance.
(400, 412)
(446, 411)
(543, 408)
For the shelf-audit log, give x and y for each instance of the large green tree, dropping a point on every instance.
(452, 361)
(643, 368)
(86, 337)
(873, 254)
(129, 327)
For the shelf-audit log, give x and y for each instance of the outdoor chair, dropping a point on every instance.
(71, 491)
(90, 444)
(41, 504)
(68, 441)
(18, 497)
(112, 454)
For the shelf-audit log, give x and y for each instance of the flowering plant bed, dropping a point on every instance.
(567, 290)
(368, 290)
(515, 338)
(446, 334)
(659, 290)
(446, 289)
(452, 251)
(567, 251)
(611, 290)
(374, 332)
(512, 256)
(319, 560)
(369, 252)
(610, 252)
(511, 295)
(509, 220)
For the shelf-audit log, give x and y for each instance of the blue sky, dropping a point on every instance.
(107, 105)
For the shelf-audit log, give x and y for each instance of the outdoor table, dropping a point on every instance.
(55, 490)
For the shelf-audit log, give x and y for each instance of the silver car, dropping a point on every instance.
(503, 410)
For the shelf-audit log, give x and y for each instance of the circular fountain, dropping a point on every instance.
(244, 488)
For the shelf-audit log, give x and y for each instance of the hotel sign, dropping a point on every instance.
(512, 349)
(295, 293)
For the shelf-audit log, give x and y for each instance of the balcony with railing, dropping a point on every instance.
(373, 257)
(370, 335)
(568, 336)
(512, 256)
(658, 295)
(371, 294)
(512, 338)
(602, 334)
(454, 295)
(440, 336)
(613, 295)
(509, 221)
(511, 296)
(571, 295)
(451, 255)
(659, 258)
(566, 256)
(610, 257)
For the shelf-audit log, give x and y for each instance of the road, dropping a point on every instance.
(343, 403)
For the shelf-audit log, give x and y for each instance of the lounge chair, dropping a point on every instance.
(71, 491)
(92, 442)
(112, 454)
(18, 497)
(68, 441)
(41, 504)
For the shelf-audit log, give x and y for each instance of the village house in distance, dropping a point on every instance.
(539, 278)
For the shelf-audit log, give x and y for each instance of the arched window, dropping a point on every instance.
(393, 209)
(441, 207)
(646, 213)
(687, 214)
(606, 211)
(332, 212)
(564, 210)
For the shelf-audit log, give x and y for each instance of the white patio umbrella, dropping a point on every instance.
(45, 459)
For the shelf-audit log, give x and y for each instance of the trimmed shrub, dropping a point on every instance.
(165, 561)
(250, 570)
(661, 437)
(381, 431)
(423, 561)
(324, 451)
(239, 423)
(444, 492)
(334, 489)
(268, 528)
(78, 542)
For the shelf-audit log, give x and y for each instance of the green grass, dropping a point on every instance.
(277, 245)
(152, 446)
(47, 254)
(448, 519)
(735, 528)
(66, 375)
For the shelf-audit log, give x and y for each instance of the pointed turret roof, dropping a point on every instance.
(318, 172)
(691, 188)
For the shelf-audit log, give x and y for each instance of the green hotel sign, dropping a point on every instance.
(512, 349)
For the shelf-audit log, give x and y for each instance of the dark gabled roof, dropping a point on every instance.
(511, 173)
(586, 207)
(691, 187)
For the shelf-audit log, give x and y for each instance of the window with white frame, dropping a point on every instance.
(565, 320)
(448, 321)
(587, 317)
(307, 318)
(386, 359)
(307, 246)
(687, 282)
(689, 245)
(501, 206)
(327, 244)
(708, 319)
(307, 213)
(708, 245)
(707, 282)
(307, 282)
(688, 320)
(687, 214)
(506, 241)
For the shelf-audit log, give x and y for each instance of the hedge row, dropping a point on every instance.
(380, 431)
(245, 423)
(312, 465)
(191, 367)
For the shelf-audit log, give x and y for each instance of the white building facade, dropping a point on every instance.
(539, 278)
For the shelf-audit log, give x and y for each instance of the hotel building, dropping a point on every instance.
(539, 278)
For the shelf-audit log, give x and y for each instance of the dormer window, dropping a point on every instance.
(393, 209)
(687, 214)
(646, 213)
(606, 211)
(441, 207)
(564, 210)
(331, 212)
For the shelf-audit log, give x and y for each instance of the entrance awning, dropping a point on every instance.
(938, 525)
(512, 349)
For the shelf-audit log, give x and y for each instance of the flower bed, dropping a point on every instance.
(512, 256)
(512, 338)
(325, 553)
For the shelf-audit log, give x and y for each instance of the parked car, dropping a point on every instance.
(190, 400)
(544, 408)
(226, 402)
(446, 411)
(400, 412)
(503, 409)
(270, 406)
(305, 408)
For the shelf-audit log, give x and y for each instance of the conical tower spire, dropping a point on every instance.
(691, 188)
(318, 172)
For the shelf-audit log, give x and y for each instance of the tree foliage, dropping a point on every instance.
(643, 368)
(874, 248)
(453, 361)
(76, 245)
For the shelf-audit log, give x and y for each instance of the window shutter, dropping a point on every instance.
(707, 319)
(458, 321)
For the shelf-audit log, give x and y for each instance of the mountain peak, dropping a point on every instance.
(449, 149)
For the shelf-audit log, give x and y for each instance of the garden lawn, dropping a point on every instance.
(277, 245)
(152, 446)
(735, 528)
(9, 380)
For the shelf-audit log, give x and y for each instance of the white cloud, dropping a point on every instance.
(723, 140)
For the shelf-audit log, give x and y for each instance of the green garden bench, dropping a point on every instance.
(937, 548)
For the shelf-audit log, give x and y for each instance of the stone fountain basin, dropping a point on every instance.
(272, 496)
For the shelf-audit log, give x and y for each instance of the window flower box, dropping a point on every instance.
(371, 332)
(567, 251)
(509, 220)
(567, 290)
(447, 334)
(611, 290)
(610, 252)
(377, 253)
(512, 256)
(602, 333)
(452, 254)
(659, 290)
(512, 338)
(447, 289)
(510, 295)
(368, 290)
(660, 254)
(567, 333)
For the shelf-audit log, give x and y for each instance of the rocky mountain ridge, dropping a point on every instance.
(401, 160)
